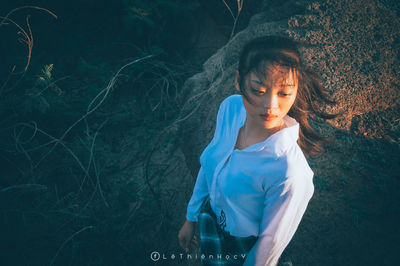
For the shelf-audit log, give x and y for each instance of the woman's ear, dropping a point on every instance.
(237, 81)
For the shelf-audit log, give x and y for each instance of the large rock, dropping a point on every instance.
(354, 45)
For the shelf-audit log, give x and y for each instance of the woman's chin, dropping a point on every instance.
(273, 123)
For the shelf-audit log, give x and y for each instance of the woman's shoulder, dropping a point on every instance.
(296, 163)
(292, 171)
(232, 103)
(232, 100)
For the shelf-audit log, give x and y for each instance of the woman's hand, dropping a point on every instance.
(187, 239)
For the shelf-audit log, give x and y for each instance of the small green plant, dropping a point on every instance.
(40, 95)
(149, 21)
(45, 80)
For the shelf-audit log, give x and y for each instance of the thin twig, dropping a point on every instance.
(30, 43)
(28, 38)
(6, 81)
(30, 186)
(68, 239)
(58, 141)
(25, 7)
(235, 18)
(94, 164)
(230, 10)
(50, 84)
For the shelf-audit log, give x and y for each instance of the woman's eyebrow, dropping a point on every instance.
(258, 82)
(282, 85)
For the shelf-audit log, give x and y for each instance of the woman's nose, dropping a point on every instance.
(271, 101)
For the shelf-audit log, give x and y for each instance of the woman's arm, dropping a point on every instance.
(200, 191)
(284, 205)
(187, 239)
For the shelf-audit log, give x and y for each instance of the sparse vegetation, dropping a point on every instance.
(74, 143)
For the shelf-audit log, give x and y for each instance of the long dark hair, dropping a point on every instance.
(261, 52)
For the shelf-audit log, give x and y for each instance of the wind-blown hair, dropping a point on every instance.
(260, 53)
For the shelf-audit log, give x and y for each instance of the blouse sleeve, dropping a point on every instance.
(284, 205)
(200, 191)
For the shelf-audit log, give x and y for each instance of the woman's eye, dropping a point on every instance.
(285, 94)
(257, 92)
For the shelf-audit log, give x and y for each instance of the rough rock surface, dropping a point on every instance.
(354, 45)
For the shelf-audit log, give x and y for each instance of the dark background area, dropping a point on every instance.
(72, 187)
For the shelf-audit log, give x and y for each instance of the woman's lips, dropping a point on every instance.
(268, 117)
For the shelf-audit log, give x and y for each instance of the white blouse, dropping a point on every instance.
(262, 190)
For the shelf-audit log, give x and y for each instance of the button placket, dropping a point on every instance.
(218, 170)
(219, 202)
(229, 155)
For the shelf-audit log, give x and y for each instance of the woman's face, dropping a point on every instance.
(271, 99)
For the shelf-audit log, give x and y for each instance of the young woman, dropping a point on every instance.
(254, 183)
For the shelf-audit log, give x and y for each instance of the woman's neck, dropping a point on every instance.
(251, 133)
(255, 131)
